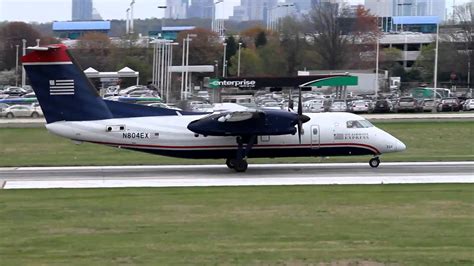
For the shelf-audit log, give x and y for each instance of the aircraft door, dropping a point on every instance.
(315, 136)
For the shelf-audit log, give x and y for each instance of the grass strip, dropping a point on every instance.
(426, 141)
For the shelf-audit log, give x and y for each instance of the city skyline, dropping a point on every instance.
(40, 11)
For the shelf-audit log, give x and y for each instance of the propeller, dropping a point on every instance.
(301, 117)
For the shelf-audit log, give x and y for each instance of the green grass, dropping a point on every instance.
(426, 141)
(299, 225)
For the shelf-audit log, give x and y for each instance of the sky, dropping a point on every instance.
(60, 10)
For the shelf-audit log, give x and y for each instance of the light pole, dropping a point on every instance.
(23, 74)
(185, 62)
(127, 22)
(435, 75)
(377, 53)
(272, 23)
(170, 64)
(163, 19)
(16, 68)
(238, 61)
(224, 64)
(131, 16)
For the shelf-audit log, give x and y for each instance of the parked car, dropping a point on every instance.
(468, 105)
(428, 105)
(142, 93)
(3, 106)
(37, 108)
(383, 106)
(408, 104)
(338, 106)
(19, 111)
(128, 90)
(449, 104)
(314, 106)
(359, 106)
(14, 91)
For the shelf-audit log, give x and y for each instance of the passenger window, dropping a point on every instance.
(315, 131)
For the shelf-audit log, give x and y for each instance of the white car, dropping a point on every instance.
(360, 106)
(314, 105)
(37, 108)
(19, 111)
(468, 105)
(338, 107)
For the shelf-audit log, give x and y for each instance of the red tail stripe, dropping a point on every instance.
(58, 54)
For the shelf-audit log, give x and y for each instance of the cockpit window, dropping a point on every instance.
(366, 123)
(358, 124)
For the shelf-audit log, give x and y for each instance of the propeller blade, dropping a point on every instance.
(299, 130)
(300, 104)
(291, 104)
(300, 114)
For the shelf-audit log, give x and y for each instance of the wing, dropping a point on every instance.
(247, 123)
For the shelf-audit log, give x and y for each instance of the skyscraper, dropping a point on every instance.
(81, 10)
(201, 9)
(176, 9)
(254, 9)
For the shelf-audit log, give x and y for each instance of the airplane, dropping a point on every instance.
(74, 110)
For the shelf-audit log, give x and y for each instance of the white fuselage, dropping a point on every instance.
(325, 134)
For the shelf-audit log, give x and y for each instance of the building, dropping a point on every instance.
(392, 8)
(176, 9)
(201, 9)
(75, 29)
(81, 10)
(254, 9)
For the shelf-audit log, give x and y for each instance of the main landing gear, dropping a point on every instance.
(374, 162)
(239, 163)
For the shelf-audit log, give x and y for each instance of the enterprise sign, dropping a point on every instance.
(215, 83)
(269, 82)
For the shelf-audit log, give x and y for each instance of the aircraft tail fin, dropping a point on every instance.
(61, 87)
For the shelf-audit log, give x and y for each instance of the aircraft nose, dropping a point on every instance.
(401, 146)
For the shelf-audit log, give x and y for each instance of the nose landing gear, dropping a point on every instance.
(374, 162)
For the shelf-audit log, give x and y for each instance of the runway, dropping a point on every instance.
(220, 175)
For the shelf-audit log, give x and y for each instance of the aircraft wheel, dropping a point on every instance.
(240, 165)
(374, 162)
(230, 163)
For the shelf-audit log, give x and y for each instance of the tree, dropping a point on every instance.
(364, 34)
(273, 59)
(249, 36)
(292, 44)
(465, 15)
(250, 63)
(231, 50)
(327, 39)
(95, 42)
(389, 58)
(11, 35)
(205, 48)
(261, 39)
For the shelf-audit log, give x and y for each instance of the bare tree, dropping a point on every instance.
(465, 16)
(326, 36)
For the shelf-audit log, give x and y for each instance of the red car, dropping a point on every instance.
(449, 105)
